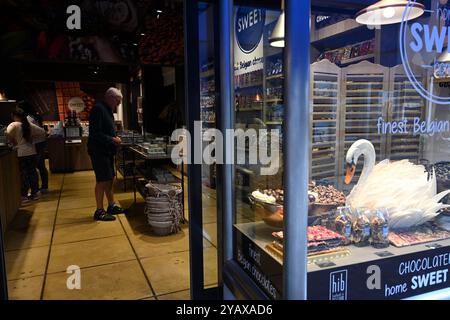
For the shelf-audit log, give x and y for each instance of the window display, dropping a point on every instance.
(379, 176)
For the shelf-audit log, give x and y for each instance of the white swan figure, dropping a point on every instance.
(401, 187)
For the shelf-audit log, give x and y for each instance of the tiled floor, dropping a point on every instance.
(117, 260)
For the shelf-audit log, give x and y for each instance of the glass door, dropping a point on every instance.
(201, 99)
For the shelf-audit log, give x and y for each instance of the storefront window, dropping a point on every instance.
(378, 216)
(259, 113)
(208, 107)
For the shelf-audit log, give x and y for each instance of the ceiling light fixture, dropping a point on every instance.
(276, 39)
(444, 57)
(388, 12)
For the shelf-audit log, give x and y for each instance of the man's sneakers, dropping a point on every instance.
(102, 215)
(115, 209)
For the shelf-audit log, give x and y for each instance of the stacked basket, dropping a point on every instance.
(163, 208)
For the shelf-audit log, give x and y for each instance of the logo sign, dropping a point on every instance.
(76, 104)
(422, 44)
(338, 285)
(249, 28)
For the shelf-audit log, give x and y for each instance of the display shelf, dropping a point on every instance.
(360, 113)
(253, 85)
(325, 100)
(260, 234)
(207, 74)
(274, 100)
(406, 104)
(250, 109)
(120, 170)
(358, 59)
(274, 122)
(275, 76)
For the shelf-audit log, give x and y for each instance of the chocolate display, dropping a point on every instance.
(328, 195)
(361, 228)
(422, 234)
(343, 223)
(323, 244)
(379, 229)
(278, 194)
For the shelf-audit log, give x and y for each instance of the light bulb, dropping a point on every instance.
(388, 12)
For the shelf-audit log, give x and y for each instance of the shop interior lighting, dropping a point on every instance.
(388, 12)
(444, 57)
(276, 39)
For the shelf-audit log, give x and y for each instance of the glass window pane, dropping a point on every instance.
(208, 121)
(378, 218)
(258, 124)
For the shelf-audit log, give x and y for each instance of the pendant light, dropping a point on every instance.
(388, 12)
(276, 39)
(444, 57)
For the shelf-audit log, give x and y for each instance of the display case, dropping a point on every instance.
(376, 216)
(325, 120)
(359, 205)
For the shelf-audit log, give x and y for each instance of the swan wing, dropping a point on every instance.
(404, 188)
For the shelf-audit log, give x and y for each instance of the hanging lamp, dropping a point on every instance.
(276, 39)
(388, 12)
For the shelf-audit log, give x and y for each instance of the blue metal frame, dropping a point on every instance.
(226, 117)
(296, 148)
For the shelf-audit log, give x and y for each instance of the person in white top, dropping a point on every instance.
(21, 134)
(40, 143)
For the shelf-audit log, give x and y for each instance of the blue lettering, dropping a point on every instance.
(415, 29)
(434, 39)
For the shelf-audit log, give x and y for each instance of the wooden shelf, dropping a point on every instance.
(273, 100)
(246, 110)
(249, 86)
(207, 74)
(274, 122)
(275, 76)
(358, 59)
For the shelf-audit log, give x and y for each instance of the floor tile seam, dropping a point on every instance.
(177, 291)
(28, 248)
(84, 240)
(94, 266)
(25, 278)
(51, 239)
(138, 260)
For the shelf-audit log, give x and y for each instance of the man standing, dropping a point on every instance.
(102, 145)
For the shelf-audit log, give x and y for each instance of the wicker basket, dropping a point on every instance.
(163, 208)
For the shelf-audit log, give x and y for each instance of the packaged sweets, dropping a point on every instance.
(379, 228)
(361, 228)
(343, 223)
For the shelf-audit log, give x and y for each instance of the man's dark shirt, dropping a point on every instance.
(101, 130)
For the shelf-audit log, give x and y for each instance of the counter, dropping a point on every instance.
(67, 156)
(9, 186)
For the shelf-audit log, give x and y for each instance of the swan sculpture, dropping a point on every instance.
(404, 188)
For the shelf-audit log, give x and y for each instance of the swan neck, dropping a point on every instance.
(369, 163)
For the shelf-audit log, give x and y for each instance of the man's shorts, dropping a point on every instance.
(103, 166)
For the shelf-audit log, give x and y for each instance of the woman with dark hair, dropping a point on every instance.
(21, 134)
(40, 143)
